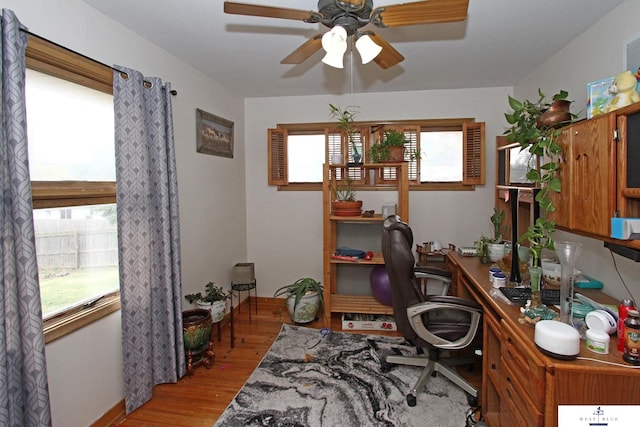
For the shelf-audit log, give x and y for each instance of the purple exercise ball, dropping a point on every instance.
(380, 285)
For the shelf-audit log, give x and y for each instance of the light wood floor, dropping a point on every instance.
(199, 400)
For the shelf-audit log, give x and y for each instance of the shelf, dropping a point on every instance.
(358, 304)
(343, 230)
(376, 260)
(355, 219)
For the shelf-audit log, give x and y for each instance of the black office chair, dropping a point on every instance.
(432, 323)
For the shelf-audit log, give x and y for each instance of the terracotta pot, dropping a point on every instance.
(558, 112)
(397, 155)
(346, 208)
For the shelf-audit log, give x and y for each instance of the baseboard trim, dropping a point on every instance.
(112, 417)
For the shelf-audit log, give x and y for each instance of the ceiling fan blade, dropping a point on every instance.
(389, 55)
(305, 51)
(266, 11)
(421, 12)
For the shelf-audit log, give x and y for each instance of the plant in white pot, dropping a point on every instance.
(304, 298)
(213, 299)
(497, 247)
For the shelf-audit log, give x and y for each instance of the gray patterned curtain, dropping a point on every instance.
(24, 393)
(148, 235)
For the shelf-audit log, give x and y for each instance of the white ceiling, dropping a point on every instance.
(499, 43)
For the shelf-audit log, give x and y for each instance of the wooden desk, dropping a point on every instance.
(521, 386)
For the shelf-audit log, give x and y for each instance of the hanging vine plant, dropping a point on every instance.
(531, 128)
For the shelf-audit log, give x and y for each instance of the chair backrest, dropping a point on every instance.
(397, 241)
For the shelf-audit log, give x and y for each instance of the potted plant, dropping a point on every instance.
(534, 126)
(304, 298)
(496, 247)
(345, 122)
(213, 299)
(196, 332)
(482, 248)
(344, 201)
(390, 148)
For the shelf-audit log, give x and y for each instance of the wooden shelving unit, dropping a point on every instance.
(344, 303)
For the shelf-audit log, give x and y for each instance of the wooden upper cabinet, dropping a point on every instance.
(587, 200)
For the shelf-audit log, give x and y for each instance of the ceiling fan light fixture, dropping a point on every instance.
(334, 43)
(367, 48)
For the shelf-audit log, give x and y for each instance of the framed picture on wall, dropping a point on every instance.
(214, 135)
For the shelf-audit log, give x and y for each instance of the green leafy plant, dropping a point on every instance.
(533, 134)
(381, 150)
(345, 118)
(343, 191)
(497, 218)
(482, 248)
(300, 288)
(211, 294)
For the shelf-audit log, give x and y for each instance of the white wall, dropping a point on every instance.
(596, 54)
(284, 228)
(85, 368)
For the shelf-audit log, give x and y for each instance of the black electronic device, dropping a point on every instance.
(522, 295)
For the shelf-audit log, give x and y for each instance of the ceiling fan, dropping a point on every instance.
(345, 18)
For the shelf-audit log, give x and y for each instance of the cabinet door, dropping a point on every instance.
(591, 173)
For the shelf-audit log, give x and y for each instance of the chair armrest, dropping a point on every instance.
(437, 302)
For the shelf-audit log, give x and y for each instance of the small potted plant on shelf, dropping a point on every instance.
(345, 123)
(213, 299)
(344, 201)
(390, 148)
(304, 297)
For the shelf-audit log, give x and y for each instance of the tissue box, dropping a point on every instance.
(625, 228)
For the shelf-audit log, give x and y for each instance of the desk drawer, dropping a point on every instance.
(529, 373)
(515, 403)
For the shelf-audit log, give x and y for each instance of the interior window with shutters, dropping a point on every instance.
(306, 157)
(441, 153)
(441, 156)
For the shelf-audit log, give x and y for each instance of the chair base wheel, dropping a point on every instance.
(411, 400)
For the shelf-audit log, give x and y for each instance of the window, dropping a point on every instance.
(72, 165)
(306, 156)
(442, 154)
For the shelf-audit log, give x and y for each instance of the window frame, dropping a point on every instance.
(50, 58)
(473, 149)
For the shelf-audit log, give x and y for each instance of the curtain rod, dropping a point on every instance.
(173, 91)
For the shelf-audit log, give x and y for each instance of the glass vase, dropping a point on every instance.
(535, 274)
(536, 309)
(568, 253)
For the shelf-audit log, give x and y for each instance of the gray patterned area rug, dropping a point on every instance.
(315, 378)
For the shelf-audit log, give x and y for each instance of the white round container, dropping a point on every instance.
(493, 270)
(499, 280)
(601, 320)
(597, 341)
